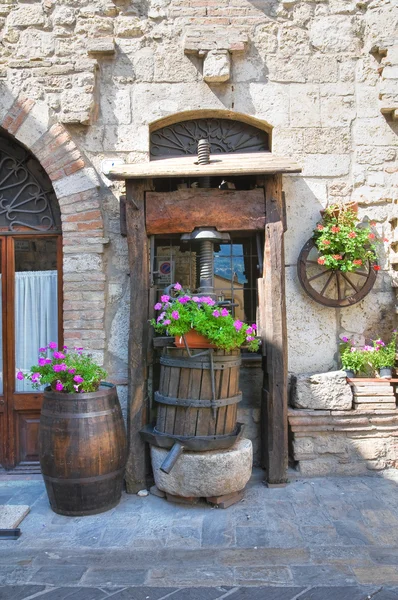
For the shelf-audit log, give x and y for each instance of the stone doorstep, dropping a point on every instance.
(379, 405)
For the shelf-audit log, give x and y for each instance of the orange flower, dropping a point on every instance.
(371, 236)
(376, 267)
(357, 262)
(385, 240)
(352, 235)
(320, 227)
(335, 229)
(326, 242)
(337, 256)
(373, 223)
(321, 261)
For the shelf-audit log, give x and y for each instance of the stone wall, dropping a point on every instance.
(102, 71)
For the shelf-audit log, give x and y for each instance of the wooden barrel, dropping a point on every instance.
(185, 406)
(83, 450)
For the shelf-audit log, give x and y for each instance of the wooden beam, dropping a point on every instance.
(183, 210)
(137, 462)
(273, 323)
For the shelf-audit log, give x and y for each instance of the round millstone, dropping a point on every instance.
(205, 474)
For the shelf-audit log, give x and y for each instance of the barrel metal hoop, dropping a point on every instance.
(195, 403)
(95, 478)
(199, 364)
(69, 415)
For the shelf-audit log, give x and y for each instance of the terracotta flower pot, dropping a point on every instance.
(194, 340)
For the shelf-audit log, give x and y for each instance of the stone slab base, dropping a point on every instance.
(12, 515)
(205, 474)
(350, 442)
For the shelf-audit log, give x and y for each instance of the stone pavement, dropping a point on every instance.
(316, 539)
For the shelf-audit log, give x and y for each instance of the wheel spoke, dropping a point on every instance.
(319, 275)
(360, 273)
(344, 275)
(338, 285)
(327, 284)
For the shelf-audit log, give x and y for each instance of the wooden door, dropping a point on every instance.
(31, 286)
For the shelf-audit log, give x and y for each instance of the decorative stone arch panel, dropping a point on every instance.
(76, 184)
(228, 132)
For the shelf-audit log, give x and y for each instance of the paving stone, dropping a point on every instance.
(380, 574)
(384, 556)
(353, 533)
(262, 593)
(56, 576)
(127, 576)
(199, 593)
(217, 530)
(386, 595)
(250, 537)
(19, 592)
(68, 593)
(261, 575)
(337, 593)
(192, 576)
(325, 574)
(142, 593)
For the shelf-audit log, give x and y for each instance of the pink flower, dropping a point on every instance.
(158, 306)
(238, 325)
(59, 355)
(160, 317)
(178, 287)
(48, 361)
(250, 338)
(166, 322)
(254, 326)
(79, 350)
(249, 330)
(76, 387)
(58, 368)
(52, 345)
(216, 313)
(165, 298)
(43, 361)
(368, 348)
(36, 377)
(175, 315)
(59, 386)
(78, 379)
(71, 371)
(183, 299)
(20, 376)
(65, 347)
(42, 349)
(344, 338)
(224, 312)
(196, 299)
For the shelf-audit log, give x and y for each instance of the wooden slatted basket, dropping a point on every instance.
(187, 405)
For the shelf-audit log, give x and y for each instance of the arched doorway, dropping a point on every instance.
(31, 294)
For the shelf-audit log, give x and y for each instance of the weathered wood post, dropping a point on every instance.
(273, 323)
(137, 463)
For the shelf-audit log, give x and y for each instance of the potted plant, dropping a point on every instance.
(201, 322)
(82, 438)
(353, 359)
(342, 242)
(381, 356)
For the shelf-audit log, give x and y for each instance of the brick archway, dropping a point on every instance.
(76, 184)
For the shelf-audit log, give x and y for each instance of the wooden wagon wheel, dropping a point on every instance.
(332, 287)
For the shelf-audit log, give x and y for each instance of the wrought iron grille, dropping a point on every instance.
(27, 199)
(225, 136)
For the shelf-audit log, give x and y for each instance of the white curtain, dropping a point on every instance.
(36, 318)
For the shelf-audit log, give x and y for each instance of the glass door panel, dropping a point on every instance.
(35, 302)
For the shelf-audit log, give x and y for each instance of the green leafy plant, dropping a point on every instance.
(383, 355)
(352, 359)
(183, 312)
(69, 372)
(369, 358)
(342, 243)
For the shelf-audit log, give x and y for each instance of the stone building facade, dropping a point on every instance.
(86, 80)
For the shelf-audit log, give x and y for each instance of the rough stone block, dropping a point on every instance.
(101, 46)
(217, 66)
(205, 474)
(27, 15)
(322, 391)
(128, 27)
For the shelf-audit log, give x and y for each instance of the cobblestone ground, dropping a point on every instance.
(316, 539)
